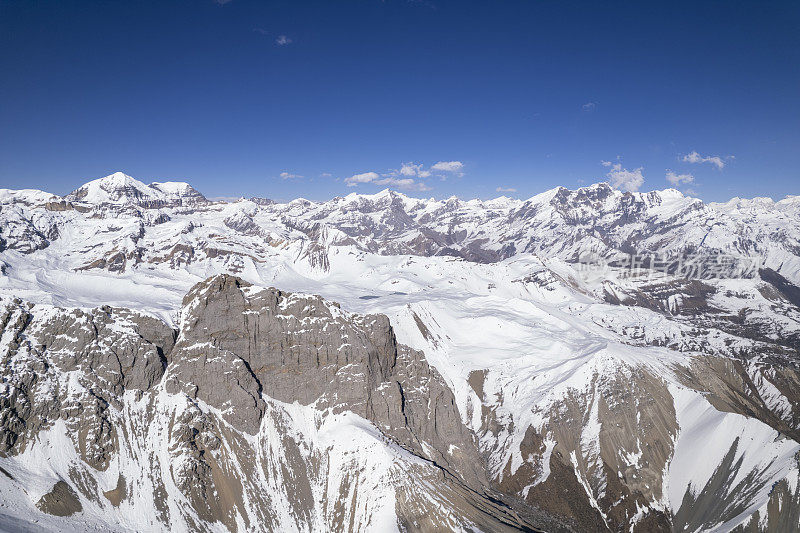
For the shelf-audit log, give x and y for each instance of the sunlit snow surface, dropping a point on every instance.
(537, 340)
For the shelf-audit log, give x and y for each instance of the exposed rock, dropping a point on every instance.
(117, 494)
(781, 513)
(733, 386)
(238, 342)
(632, 414)
(61, 501)
(109, 351)
(242, 354)
(787, 289)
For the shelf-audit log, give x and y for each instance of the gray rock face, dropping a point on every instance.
(109, 350)
(24, 232)
(238, 342)
(61, 501)
(782, 512)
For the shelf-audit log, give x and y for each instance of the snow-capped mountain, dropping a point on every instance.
(584, 360)
(121, 189)
(592, 222)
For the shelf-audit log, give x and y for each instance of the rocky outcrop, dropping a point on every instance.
(107, 351)
(781, 513)
(23, 232)
(61, 501)
(767, 391)
(598, 462)
(239, 343)
(210, 414)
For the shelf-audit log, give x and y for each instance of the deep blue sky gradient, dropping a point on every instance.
(197, 91)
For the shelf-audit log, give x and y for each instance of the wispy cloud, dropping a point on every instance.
(290, 176)
(280, 40)
(410, 169)
(453, 167)
(694, 157)
(679, 179)
(365, 177)
(622, 178)
(589, 106)
(221, 2)
(505, 189)
(409, 184)
(409, 176)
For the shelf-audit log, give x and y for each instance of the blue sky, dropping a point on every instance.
(318, 99)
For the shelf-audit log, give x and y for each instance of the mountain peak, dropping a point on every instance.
(115, 188)
(118, 178)
(120, 188)
(179, 190)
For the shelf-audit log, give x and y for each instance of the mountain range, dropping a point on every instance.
(583, 360)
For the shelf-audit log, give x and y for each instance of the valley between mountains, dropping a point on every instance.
(586, 360)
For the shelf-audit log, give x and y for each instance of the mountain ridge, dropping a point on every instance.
(590, 223)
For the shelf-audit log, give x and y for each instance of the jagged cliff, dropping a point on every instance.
(264, 411)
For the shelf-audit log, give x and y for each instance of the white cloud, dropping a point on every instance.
(455, 167)
(410, 169)
(408, 176)
(505, 189)
(589, 106)
(283, 40)
(366, 177)
(408, 184)
(624, 179)
(694, 157)
(290, 176)
(678, 179)
(392, 179)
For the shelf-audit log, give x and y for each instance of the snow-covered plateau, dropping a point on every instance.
(584, 360)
